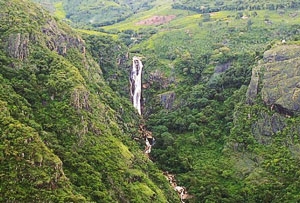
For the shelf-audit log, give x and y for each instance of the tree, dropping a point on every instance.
(193, 127)
(239, 15)
(249, 24)
(206, 17)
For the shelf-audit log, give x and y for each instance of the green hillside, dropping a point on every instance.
(94, 13)
(214, 6)
(65, 134)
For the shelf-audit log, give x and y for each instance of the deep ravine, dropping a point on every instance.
(136, 97)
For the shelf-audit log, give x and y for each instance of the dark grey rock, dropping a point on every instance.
(167, 99)
(18, 45)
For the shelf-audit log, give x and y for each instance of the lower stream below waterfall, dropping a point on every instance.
(136, 97)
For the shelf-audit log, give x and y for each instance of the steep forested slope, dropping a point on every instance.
(64, 134)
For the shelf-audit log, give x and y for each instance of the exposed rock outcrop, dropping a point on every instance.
(280, 80)
(253, 86)
(18, 45)
(222, 67)
(266, 125)
(158, 77)
(277, 80)
(59, 41)
(167, 99)
(280, 85)
(281, 53)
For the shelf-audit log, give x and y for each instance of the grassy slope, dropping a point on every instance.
(59, 11)
(189, 34)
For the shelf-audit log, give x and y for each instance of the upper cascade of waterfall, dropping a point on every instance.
(136, 83)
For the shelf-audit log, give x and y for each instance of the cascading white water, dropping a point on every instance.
(136, 83)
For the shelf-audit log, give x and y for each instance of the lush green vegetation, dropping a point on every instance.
(207, 137)
(233, 5)
(93, 13)
(65, 135)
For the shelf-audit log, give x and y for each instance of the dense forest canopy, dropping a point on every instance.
(220, 95)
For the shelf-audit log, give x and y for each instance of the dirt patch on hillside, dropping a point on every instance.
(156, 20)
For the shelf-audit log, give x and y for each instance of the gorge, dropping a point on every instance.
(221, 97)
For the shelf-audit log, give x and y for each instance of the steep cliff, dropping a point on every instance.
(265, 135)
(65, 135)
(276, 81)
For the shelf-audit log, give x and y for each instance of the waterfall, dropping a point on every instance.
(136, 83)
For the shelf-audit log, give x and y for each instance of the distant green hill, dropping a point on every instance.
(96, 13)
(233, 5)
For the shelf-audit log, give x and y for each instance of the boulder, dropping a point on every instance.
(280, 80)
(281, 85)
(167, 99)
(266, 125)
(18, 45)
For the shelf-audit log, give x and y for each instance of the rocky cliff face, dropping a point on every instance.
(55, 39)
(18, 46)
(167, 99)
(58, 40)
(277, 80)
(281, 80)
(35, 28)
(265, 136)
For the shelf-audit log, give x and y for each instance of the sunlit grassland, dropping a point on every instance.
(178, 36)
(97, 33)
(59, 10)
(110, 3)
(190, 33)
(131, 22)
(258, 20)
(276, 17)
(98, 4)
(185, 21)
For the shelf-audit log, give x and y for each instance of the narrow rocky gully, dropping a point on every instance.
(136, 96)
